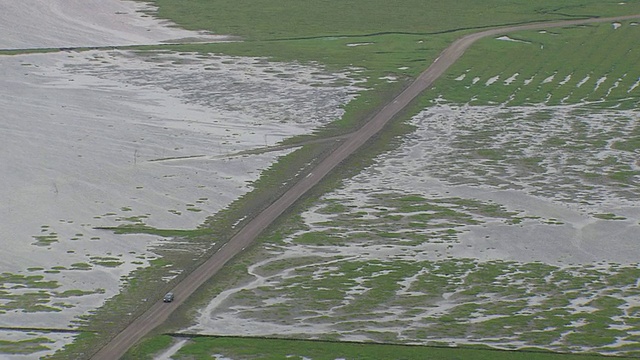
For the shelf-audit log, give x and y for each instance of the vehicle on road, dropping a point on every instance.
(168, 297)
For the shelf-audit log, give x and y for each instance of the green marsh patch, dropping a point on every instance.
(400, 219)
(144, 229)
(507, 304)
(25, 347)
(35, 293)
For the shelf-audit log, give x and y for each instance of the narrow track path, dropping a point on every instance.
(159, 312)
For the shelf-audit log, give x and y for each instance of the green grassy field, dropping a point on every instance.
(585, 64)
(284, 19)
(201, 348)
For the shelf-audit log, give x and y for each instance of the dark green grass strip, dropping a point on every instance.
(203, 347)
(39, 329)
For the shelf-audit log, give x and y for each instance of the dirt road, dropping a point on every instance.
(159, 312)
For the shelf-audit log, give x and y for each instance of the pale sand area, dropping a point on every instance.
(103, 138)
(28, 24)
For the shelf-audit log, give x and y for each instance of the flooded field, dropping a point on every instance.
(503, 226)
(507, 218)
